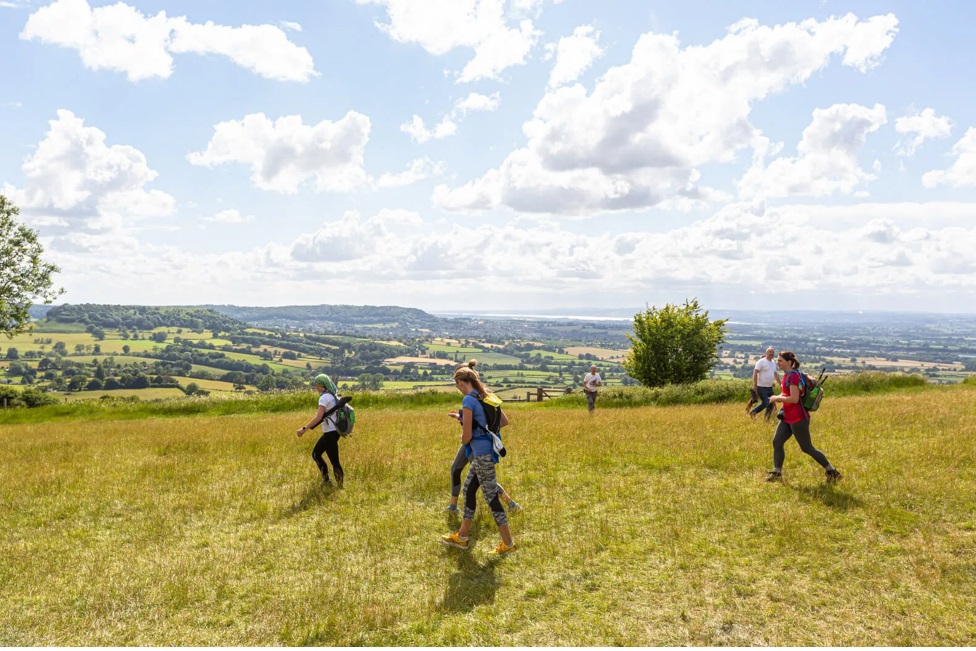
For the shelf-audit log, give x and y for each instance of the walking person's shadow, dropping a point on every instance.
(831, 497)
(315, 495)
(474, 583)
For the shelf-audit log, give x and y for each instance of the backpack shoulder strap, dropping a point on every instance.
(803, 384)
(476, 425)
(340, 403)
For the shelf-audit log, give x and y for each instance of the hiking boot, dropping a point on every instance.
(774, 475)
(505, 550)
(339, 480)
(453, 540)
(833, 475)
(326, 482)
(514, 507)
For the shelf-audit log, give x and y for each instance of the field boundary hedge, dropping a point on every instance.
(705, 392)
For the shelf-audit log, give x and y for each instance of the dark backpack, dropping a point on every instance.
(493, 419)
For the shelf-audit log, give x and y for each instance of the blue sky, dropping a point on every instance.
(496, 154)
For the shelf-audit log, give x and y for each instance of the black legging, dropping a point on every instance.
(329, 443)
(801, 431)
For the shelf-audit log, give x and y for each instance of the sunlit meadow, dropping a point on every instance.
(642, 526)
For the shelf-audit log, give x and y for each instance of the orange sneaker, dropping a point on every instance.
(454, 540)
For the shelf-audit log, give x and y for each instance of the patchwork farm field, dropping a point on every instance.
(642, 526)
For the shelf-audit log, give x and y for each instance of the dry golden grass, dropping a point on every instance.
(644, 526)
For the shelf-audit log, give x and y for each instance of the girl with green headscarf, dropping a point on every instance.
(329, 442)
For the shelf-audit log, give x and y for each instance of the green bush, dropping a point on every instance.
(34, 397)
(30, 397)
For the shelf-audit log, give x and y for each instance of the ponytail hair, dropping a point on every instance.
(790, 357)
(466, 373)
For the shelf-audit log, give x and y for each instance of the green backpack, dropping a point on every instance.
(345, 415)
(811, 389)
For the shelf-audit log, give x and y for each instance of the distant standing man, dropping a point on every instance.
(763, 378)
(591, 383)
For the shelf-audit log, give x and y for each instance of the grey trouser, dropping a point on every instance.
(482, 474)
(591, 400)
(801, 431)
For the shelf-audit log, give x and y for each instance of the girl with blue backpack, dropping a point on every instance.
(480, 451)
(461, 460)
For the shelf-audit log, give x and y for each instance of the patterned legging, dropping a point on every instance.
(482, 474)
(460, 461)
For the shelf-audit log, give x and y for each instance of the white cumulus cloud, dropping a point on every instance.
(417, 170)
(574, 55)
(477, 102)
(285, 153)
(417, 129)
(827, 156)
(119, 37)
(345, 239)
(918, 128)
(499, 37)
(419, 133)
(73, 174)
(963, 171)
(637, 139)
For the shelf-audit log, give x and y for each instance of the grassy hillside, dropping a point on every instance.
(642, 526)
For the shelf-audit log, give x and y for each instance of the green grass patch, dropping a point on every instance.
(642, 527)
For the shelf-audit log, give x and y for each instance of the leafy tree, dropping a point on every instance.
(36, 398)
(60, 348)
(673, 345)
(191, 388)
(126, 349)
(371, 381)
(24, 277)
(13, 353)
(77, 382)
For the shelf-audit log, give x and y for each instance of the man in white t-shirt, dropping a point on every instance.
(591, 383)
(764, 377)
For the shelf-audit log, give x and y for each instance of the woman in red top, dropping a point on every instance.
(795, 422)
